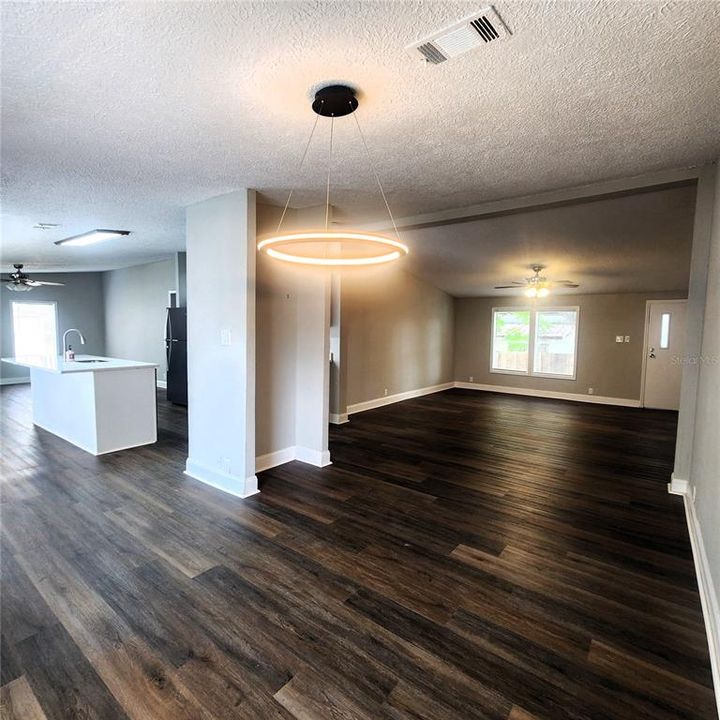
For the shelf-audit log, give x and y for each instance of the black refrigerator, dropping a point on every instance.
(176, 352)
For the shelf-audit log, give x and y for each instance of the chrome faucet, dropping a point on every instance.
(65, 334)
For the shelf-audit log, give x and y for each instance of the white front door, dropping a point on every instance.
(663, 353)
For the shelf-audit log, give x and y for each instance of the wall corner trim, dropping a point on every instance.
(313, 457)
(303, 454)
(678, 486)
(339, 418)
(397, 397)
(530, 392)
(708, 593)
(232, 484)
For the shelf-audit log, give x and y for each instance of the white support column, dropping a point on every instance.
(221, 342)
(312, 402)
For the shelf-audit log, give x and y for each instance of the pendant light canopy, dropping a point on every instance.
(326, 247)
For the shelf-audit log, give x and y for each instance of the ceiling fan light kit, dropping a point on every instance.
(537, 286)
(21, 282)
(326, 247)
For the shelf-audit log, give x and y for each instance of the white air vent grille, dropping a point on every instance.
(474, 31)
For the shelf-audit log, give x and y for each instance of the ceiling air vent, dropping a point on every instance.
(480, 28)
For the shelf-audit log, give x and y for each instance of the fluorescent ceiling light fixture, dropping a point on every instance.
(94, 236)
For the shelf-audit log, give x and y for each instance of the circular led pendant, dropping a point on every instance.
(333, 248)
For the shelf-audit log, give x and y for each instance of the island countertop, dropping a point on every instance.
(82, 363)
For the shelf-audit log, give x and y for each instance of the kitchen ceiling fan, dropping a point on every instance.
(537, 285)
(21, 282)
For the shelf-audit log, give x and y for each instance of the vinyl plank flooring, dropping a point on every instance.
(467, 556)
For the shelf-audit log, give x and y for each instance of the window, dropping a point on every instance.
(665, 331)
(34, 330)
(511, 340)
(543, 342)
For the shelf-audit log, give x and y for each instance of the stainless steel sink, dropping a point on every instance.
(90, 361)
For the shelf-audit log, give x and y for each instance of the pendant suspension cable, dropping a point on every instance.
(377, 177)
(327, 192)
(302, 161)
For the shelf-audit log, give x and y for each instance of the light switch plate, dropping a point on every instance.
(627, 338)
(618, 338)
(225, 336)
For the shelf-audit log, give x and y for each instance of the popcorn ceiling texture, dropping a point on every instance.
(119, 114)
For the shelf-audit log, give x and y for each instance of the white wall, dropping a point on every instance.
(221, 342)
(704, 477)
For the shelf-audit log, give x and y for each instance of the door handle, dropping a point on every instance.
(652, 352)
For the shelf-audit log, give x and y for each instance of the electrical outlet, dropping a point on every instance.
(224, 465)
(591, 391)
(627, 338)
(471, 378)
(618, 338)
(225, 336)
(385, 391)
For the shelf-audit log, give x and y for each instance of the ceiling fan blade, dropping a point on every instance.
(506, 287)
(563, 282)
(37, 283)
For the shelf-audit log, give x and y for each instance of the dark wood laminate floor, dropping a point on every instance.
(467, 556)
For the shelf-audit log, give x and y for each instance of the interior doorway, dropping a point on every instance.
(664, 345)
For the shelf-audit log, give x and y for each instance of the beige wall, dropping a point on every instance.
(292, 337)
(398, 331)
(611, 369)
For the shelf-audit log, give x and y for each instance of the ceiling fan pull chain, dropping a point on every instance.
(327, 192)
(377, 177)
(302, 161)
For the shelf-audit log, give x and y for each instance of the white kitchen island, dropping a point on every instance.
(99, 404)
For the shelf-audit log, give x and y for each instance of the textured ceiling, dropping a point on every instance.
(120, 114)
(633, 243)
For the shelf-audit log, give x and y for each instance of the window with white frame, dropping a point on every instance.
(34, 330)
(532, 341)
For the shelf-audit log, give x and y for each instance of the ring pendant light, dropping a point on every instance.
(334, 248)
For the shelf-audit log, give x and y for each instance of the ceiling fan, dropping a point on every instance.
(537, 285)
(21, 282)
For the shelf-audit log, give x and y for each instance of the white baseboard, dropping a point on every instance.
(15, 381)
(231, 484)
(338, 418)
(161, 383)
(273, 459)
(288, 454)
(575, 397)
(708, 593)
(506, 389)
(397, 397)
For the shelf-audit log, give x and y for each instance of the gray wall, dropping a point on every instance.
(79, 305)
(399, 333)
(135, 301)
(705, 472)
(611, 369)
